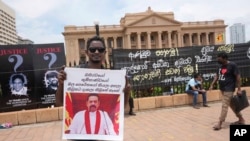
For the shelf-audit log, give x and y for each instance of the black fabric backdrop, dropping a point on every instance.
(170, 66)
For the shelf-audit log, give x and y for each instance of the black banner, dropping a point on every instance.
(17, 78)
(171, 66)
(47, 61)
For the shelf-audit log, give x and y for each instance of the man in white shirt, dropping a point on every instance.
(194, 87)
(92, 120)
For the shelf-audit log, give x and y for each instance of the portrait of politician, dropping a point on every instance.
(18, 84)
(92, 120)
(51, 81)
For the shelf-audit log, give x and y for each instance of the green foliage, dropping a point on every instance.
(157, 91)
(178, 88)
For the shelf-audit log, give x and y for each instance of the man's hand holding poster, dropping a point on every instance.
(93, 104)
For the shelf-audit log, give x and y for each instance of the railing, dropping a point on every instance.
(203, 23)
(176, 89)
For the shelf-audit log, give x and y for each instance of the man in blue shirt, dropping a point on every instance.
(194, 87)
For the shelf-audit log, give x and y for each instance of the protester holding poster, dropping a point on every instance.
(96, 53)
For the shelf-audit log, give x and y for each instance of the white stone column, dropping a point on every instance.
(175, 39)
(77, 55)
(67, 48)
(190, 39)
(115, 43)
(138, 40)
(169, 39)
(85, 44)
(128, 41)
(159, 40)
(149, 40)
(198, 39)
(107, 53)
(207, 40)
(123, 41)
(180, 39)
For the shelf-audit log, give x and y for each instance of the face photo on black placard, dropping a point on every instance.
(18, 84)
(51, 81)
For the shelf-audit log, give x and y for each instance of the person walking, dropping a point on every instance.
(228, 76)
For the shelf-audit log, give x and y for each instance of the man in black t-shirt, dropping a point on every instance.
(228, 76)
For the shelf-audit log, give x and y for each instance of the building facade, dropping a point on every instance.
(237, 33)
(8, 34)
(21, 41)
(145, 30)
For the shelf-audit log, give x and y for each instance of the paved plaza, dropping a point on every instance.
(165, 124)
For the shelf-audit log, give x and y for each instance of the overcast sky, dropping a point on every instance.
(43, 21)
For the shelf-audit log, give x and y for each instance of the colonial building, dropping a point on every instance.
(145, 30)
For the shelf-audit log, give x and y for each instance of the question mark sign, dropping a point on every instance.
(53, 58)
(18, 62)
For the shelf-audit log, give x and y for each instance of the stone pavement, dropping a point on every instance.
(165, 124)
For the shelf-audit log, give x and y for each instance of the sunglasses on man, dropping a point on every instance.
(93, 49)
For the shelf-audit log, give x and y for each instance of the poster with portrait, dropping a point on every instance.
(48, 59)
(17, 78)
(93, 104)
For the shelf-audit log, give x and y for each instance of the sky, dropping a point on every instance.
(43, 21)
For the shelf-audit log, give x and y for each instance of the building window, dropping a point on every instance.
(132, 38)
(162, 37)
(152, 38)
(142, 38)
(119, 42)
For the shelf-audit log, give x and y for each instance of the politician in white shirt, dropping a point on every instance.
(92, 120)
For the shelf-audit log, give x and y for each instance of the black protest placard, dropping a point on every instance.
(47, 59)
(17, 81)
